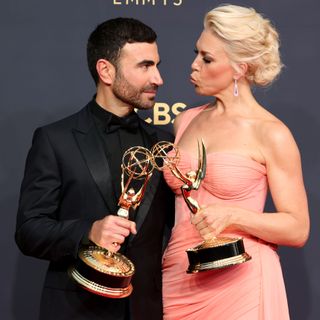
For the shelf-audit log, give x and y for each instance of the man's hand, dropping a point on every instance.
(111, 231)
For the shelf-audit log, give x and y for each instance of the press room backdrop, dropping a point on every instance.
(44, 77)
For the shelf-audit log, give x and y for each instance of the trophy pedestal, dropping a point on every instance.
(103, 273)
(216, 253)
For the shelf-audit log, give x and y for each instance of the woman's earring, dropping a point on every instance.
(235, 88)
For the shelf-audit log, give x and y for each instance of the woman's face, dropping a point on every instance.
(212, 73)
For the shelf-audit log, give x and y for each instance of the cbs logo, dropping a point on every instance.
(163, 114)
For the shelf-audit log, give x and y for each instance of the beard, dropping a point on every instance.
(130, 94)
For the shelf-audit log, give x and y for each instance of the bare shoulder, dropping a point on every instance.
(273, 130)
(276, 139)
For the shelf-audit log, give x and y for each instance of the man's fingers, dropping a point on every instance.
(133, 227)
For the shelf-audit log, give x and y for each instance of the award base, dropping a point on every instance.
(217, 253)
(103, 273)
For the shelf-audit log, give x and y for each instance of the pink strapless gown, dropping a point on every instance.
(251, 291)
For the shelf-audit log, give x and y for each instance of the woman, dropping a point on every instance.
(248, 151)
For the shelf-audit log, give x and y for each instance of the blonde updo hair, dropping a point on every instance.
(249, 38)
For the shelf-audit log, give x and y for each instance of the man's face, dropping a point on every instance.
(137, 76)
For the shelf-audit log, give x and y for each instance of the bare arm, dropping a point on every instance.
(290, 224)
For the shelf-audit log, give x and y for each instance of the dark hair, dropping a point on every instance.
(109, 37)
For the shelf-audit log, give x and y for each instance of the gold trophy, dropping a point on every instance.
(97, 269)
(218, 252)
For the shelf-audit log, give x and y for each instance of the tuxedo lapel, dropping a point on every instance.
(150, 137)
(93, 153)
(92, 150)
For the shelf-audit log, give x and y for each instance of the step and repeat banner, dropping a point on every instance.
(44, 77)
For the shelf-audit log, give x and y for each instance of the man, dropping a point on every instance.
(71, 185)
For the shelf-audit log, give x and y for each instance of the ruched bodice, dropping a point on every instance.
(228, 176)
(242, 292)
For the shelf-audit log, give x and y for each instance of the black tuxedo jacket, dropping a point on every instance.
(66, 187)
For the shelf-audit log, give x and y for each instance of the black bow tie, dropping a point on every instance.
(129, 123)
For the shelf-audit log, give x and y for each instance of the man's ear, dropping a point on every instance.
(106, 71)
(241, 70)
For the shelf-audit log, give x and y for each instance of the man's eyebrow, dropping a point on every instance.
(148, 63)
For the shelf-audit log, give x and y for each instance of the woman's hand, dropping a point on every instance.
(212, 219)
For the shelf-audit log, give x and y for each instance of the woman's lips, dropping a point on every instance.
(193, 80)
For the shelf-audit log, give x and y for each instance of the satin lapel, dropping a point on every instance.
(92, 150)
(150, 138)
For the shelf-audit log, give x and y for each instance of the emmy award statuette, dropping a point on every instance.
(218, 252)
(97, 269)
